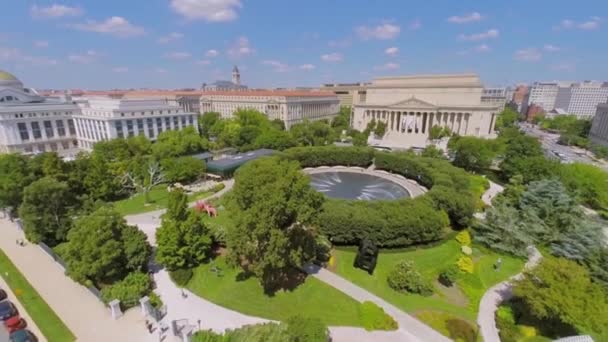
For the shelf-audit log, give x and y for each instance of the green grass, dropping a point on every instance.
(430, 261)
(478, 185)
(158, 200)
(438, 321)
(313, 298)
(45, 318)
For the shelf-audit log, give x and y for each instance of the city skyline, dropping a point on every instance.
(184, 43)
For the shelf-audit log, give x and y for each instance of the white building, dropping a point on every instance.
(30, 123)
(291, 107)
(599, 128)
(582, 99)
(411, 105)
(543, 94)
(103, 118)
(496, 97)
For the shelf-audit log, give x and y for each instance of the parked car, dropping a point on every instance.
(22, 335)
(2, 295)
(7, 310)
(15, 323)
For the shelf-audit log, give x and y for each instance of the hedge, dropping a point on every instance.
(331, 156)
(129, 290)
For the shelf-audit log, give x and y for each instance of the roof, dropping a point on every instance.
(6, 76)
(231, 163)
(202, 156)
(175, 93)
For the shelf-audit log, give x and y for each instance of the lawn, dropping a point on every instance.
(158, 200)
(478, 185)
(313, 298)
(461, 301)
(45, 318)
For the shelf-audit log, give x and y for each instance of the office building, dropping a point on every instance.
(581, 99)
(349, 94)
(495, 97)
(599, 128)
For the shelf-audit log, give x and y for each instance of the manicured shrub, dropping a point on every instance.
(373, 317)
(464, 238)
(405, 278)
(449, 275)
(181, 277)
(305, 329)
(155, 300)
(331, 156)
(207, 336)
(505, 322)
(129, 290)
(323, 249)
(461, 330)
(465, 264)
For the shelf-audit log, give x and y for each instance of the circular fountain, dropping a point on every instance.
(360, 184)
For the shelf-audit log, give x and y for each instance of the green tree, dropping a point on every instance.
(437, 132)
(561, 289)
(206, 121)
(380, 129)
(315, 133)
(471, 153)
(586, 182)
(431, 151)
(278, 124)
(128, 290)
(183, 241)
(99, 181)
(274, 202)
(102, 248)
(45, 211)
(14, 177)
(274, 139)
(342, 120)
(507, 118)
(182, 169)
(305, 329)
(175, 143)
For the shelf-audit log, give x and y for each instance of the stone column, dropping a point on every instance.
(115, 309)
(146, 307)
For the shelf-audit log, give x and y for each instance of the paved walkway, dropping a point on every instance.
(410, 329)
(492, 191)
(31, 325)
(84, 315)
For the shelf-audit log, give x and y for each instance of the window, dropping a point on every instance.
(150, 124)
(25, 136)
(118, 126)
(159, 125)
(140, 126)
(27, 149)
(71, 127)
(40, 148)
(130, 127)
(168, 123)
(183, 121)
(65, 145)
(60, 128)
(53, 146)
(36, 130)
(48, 129)
(191, 119)
(175, 122)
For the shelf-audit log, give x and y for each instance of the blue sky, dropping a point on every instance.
(93, 44)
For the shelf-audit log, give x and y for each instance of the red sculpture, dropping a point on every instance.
(202, 206)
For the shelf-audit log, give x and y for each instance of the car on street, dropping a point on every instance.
(15, 323)
(7, 310)
(22, 335)
(2, 295)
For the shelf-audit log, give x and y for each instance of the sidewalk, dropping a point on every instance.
(84, 315)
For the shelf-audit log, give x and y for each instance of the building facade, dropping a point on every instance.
(102, 118)
(599, 128)
(543, 94)
(349, 94)
(520, 98)
(581, 99)
(30, 123)
(495, 97)
(411, 105)
(291, 107)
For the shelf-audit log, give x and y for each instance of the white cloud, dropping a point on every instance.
(387, 66)
(482, 48)
(160, 70)
(208, 10)
(41, 44)
(307, 67)
(55, 11)
(276, 65)
(493, 33)
(341, 43)
(589, 25)
(120, 69)
(551, 48)
(332, 57)
(85, 58)
(382, 32)
(241, 48)
(416, 24)
(116, 26)
(467, 18)
(392, 51)
(211, 53)
(592, 24)
(528, 55)
(170, 37)
(177, 55)
(203, 62)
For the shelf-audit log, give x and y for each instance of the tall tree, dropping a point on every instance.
(142, 177)
(206, 121)
(44, 211)
(471, 153)
(14, 177)
(274, 202)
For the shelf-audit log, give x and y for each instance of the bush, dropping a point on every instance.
(218, 187)
(465, 264)
(505, 322)
(155, 300)
(267, 332)
(405, 278)
(207, 336)
(464, 238)
(373, 317)
(461, 330)
(331, 156)
(304, 329)
(181, 277)
(323, 249)
(449, 275)
(129, 290)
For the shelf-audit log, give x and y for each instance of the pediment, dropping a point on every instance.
(413, 102)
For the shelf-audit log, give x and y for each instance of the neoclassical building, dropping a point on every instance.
(411, 105)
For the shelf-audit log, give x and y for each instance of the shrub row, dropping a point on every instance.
(331, 155)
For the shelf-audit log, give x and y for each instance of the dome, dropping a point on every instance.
(9, 80)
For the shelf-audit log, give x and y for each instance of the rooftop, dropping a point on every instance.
(231, 163)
